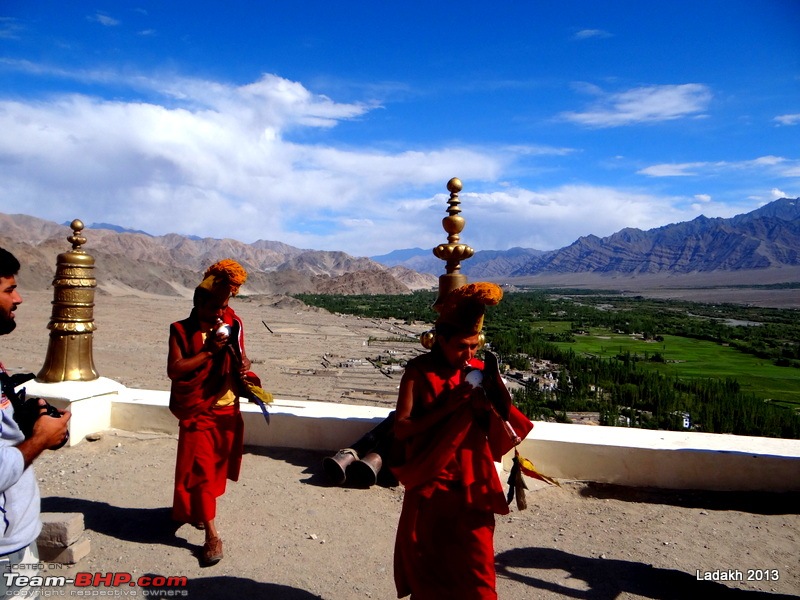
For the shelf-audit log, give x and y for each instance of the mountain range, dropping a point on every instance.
(137, 262)
(765, 239)
(768, 237)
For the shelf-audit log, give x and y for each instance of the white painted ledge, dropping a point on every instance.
(293, 424)
(616, 455)
(664, 459)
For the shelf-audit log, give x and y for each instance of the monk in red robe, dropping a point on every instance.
(449, 434)
(206, 362)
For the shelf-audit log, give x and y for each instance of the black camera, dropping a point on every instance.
(27, 410)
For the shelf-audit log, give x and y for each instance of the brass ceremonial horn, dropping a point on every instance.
(364, 472)
(335, 466)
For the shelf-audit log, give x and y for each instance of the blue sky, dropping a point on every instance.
(336, 125)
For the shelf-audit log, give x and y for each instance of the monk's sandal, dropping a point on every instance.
(212, 551)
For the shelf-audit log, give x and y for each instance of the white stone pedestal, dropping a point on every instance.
(88, 401)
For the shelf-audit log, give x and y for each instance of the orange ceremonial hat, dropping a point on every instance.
(465, 307)
(224, 278)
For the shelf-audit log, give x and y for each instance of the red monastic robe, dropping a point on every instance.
(445, 538)
(210, 439)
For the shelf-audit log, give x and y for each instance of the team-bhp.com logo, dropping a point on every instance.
(98, 584)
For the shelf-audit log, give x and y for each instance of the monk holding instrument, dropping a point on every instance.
(453, 420)
(206, 364)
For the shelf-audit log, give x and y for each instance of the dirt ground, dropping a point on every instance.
(288, 534)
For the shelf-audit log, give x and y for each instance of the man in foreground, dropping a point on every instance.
(450, 433)
(19, 492)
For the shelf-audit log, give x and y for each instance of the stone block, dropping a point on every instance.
(66, 556)
(60, 530)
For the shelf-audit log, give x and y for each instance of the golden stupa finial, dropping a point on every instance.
(453, 252)
(76, 239)
(69, 351)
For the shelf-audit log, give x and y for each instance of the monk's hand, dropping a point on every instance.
(215, 341)
(465, 394)
(460, 395)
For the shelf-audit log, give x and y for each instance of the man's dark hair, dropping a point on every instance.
(9, 265)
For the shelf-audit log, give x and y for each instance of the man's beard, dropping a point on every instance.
(7, 325)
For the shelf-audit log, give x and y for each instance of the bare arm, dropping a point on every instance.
(246, 364)
(244, 367)
(179, 365)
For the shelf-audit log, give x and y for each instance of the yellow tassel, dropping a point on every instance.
(260, 393)
(526, 467)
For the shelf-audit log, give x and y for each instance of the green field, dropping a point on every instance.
(687, 358)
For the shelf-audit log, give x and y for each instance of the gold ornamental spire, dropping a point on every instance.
(453, 252)
(69, 352)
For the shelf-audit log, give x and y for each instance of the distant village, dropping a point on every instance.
(388, 356)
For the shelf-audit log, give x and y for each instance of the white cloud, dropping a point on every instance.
(585, 34)
(9, 28)
(644, 105)
(217, 165)
(672, 170)
(553, 218)
(104, 19)
(211, 159)
(792, 119)
(766, 161)
(777, 194)
(223, 168)
(542, 219)
(773, 166)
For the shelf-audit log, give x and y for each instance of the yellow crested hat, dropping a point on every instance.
(224, 278)
(465, 307)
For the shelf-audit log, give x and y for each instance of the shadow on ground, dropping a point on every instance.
(760, 503)
(141, 525)
(213, 588)
(607, 579)
(310, 461)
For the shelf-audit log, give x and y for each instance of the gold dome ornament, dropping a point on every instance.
(453, 252)
(427, 339)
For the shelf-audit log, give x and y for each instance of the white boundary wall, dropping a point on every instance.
(617, 455)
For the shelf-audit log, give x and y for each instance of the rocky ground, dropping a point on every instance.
(290, 535)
